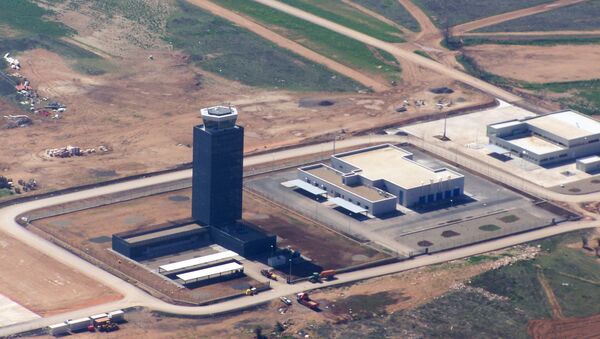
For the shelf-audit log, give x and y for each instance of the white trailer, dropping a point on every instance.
(79, 324)
(58, 329)
(116, 316)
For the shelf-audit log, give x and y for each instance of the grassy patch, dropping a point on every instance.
(456, 12)
(331, 44)
(582, 16)
(393, 10)
(5, 192)
(573, 276)
(234, 53)
(460, 314)
(476, 259)
(424, 54)
(27, 17)
(585, 95)
(489, 228)
(518, 282)
(509, 218)
(345, 15)
(364, 306)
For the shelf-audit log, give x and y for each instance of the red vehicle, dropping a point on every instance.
(305, 300)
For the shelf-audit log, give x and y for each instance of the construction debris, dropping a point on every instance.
(12, 62)
(73, 151)
(14, 121)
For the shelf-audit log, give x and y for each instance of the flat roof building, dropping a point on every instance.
(377, 178)
(550, 138)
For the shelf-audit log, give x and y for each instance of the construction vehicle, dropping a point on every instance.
(319, 277)
(105, 325)
(328, 274)
(251, 291)
(305, 300)
(269, 274)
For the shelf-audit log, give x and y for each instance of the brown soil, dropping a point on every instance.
(43, 285)
(496, 19)
(89, 231)
(539, 64)
(587, 327)
(411, 289)
(326, 248)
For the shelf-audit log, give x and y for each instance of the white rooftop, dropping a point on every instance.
(392, 164)
(536, 145)
(589, 160)
(507, 124)
(567, 124)
(314, 190)
(208, 272)
(197, 261)
(347, 205)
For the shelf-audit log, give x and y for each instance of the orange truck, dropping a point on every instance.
(305, 300)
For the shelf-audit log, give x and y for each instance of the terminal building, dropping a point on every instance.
(548, 139)
(374, 180)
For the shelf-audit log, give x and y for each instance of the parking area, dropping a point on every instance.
(484, 201)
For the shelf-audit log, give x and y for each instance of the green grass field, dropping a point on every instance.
(345, 15)
(582, 16)
(26, 17)
(333, 45)
(393, 10)
(455, 12)
(219, 46)
(578, 297)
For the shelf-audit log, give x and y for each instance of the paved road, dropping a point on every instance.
(133, 296)
(396, 51)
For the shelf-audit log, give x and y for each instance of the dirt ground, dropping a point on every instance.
(411, 288)
(44, 285)
(327, 249)
(144, 110)
(90, 231)
(587, 327)
(539, 64)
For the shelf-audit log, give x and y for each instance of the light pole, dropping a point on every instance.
(290, 275)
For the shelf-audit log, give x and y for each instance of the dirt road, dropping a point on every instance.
(554, 304)
(496, 19)
(293, 46)
(428, 28)
(535, 33)
(396, 51)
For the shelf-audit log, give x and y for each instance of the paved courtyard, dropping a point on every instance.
(483, 200)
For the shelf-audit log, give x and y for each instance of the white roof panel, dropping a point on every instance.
(348, 205)
(507, 124)
(536, 145)
(207, 259)
(567, 124)
(305, 186)
(232, 266)
(589, 160)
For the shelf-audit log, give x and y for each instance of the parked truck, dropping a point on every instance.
(324, 275)
(305, 300)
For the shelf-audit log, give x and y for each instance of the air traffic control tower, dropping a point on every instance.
(218, 168)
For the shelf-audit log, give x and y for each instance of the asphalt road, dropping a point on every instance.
(396, 51)
(133, 296)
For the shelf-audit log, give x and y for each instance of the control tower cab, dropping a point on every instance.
(219, 117)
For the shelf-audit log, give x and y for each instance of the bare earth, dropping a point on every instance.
(539, 64)
(44, 285)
